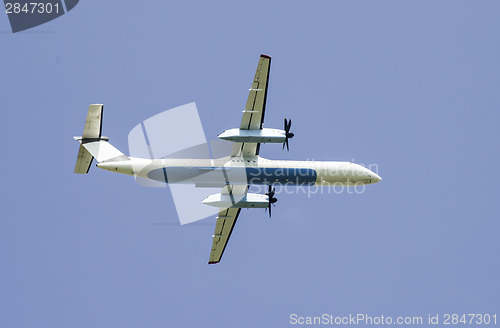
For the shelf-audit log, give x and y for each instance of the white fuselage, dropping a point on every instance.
(244, 171)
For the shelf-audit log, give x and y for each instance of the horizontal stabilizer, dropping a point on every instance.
(93, 144)
(83, 161)
(93, 124)
(92, 129)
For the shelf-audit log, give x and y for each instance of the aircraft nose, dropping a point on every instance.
(375, 177)
(367, 176)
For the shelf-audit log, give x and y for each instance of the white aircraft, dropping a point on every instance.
(234, 173)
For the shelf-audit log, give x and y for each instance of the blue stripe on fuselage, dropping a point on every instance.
(237, 175)
(270, 175)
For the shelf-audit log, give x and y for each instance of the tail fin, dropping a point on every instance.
(93, 144)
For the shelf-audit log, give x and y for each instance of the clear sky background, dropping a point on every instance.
(412, 86)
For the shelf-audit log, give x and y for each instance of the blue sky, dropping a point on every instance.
(411, 86)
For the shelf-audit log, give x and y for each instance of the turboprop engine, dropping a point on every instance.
(263, 135)
(248, 201)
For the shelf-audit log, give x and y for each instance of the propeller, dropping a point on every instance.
(288, 134)
(272, 199)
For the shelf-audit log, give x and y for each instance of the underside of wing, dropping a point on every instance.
(253, 119)
(245, 149)
(223, 229)
(253, 115)
(225, 223)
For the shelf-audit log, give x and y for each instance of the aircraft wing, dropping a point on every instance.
(253, 115)
(253, 119)
(225, 223)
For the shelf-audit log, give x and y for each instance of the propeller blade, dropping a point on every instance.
(287, 127)
(270, 194)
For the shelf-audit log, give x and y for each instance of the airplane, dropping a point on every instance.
(244, 166)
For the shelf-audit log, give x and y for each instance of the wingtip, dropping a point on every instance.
(213, 262)
(265, 56)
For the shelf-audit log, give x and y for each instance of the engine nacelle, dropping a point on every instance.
(248, 201)
(259, 136)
